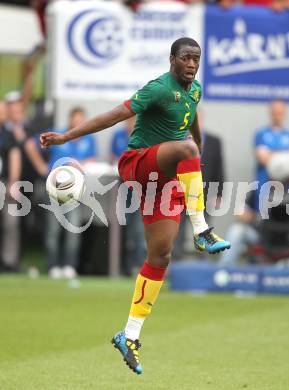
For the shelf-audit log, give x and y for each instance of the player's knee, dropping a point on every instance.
(188, 149)
(164, 260)
(161, 258)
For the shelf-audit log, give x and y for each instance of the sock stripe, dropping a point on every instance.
(188, 166)
(142, 293)
(152, 273)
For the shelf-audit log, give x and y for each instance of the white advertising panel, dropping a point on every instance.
(104, 50)
(19, 30)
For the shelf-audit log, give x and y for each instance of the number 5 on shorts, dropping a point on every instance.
(186, 121)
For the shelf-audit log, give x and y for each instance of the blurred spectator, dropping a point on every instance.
(3, 112)
(39, 7)
(243, 234)
(42, 116)
(135, 246)
(269, 140)
(271, 149)
(275, 232)
(265, 3)
(63, 246)
(260, 240)
(32, 162)
(120, 140)
(26, 164)
(276, 5)
(226, 4)
(250, 230)
(10, 170)
(133, 4)
(28, 72)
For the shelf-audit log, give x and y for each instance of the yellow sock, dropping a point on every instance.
(147, 288)
(144, 297)
(190, 177)
(192, 185)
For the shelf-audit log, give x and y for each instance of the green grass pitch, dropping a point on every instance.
(53, 337)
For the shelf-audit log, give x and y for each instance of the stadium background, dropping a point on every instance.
(236, 342)
(234, 121)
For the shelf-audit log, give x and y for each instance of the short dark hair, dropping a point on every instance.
(183, 42)
(76, 110)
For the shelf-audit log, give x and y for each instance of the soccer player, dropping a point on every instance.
(166, 110)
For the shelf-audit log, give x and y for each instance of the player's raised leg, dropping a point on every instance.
(160, 237)
(182, 159)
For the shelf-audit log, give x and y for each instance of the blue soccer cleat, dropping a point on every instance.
(208, 241)
(129, 350)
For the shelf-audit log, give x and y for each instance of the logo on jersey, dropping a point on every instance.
(95, 37)
(178, 96)
(196, 96)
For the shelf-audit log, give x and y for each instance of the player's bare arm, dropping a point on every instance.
(263, 155)
(196, 133)
(98, 123)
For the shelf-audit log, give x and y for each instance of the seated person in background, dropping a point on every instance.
(243, 233)
(120, 140)
(135, 246)
(63, 246)
(275, 233)
(275, 229)
(269, 140)
(261, 240)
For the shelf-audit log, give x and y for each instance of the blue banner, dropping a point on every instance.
(207, 277)
(246, 54)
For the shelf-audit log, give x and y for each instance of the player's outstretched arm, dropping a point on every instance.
(98, 123)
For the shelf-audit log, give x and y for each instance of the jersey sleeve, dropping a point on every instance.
(144, 98)
(201, 92)
(93, 147)
(114, 144)
(197, 91)
(260, 140)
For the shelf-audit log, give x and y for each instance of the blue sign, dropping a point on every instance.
(202, 276)
(207, 277)
(246, 54)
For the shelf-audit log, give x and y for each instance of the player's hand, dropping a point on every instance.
(47, 139)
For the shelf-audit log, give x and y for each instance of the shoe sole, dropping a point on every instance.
(214, 252)
(124, 359)
(219, 250)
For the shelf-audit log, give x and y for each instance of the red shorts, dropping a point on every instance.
(168, 202)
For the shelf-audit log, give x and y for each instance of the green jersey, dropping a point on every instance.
(165, 111)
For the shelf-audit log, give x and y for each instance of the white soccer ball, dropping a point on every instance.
(278, 166)
(65, 184)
